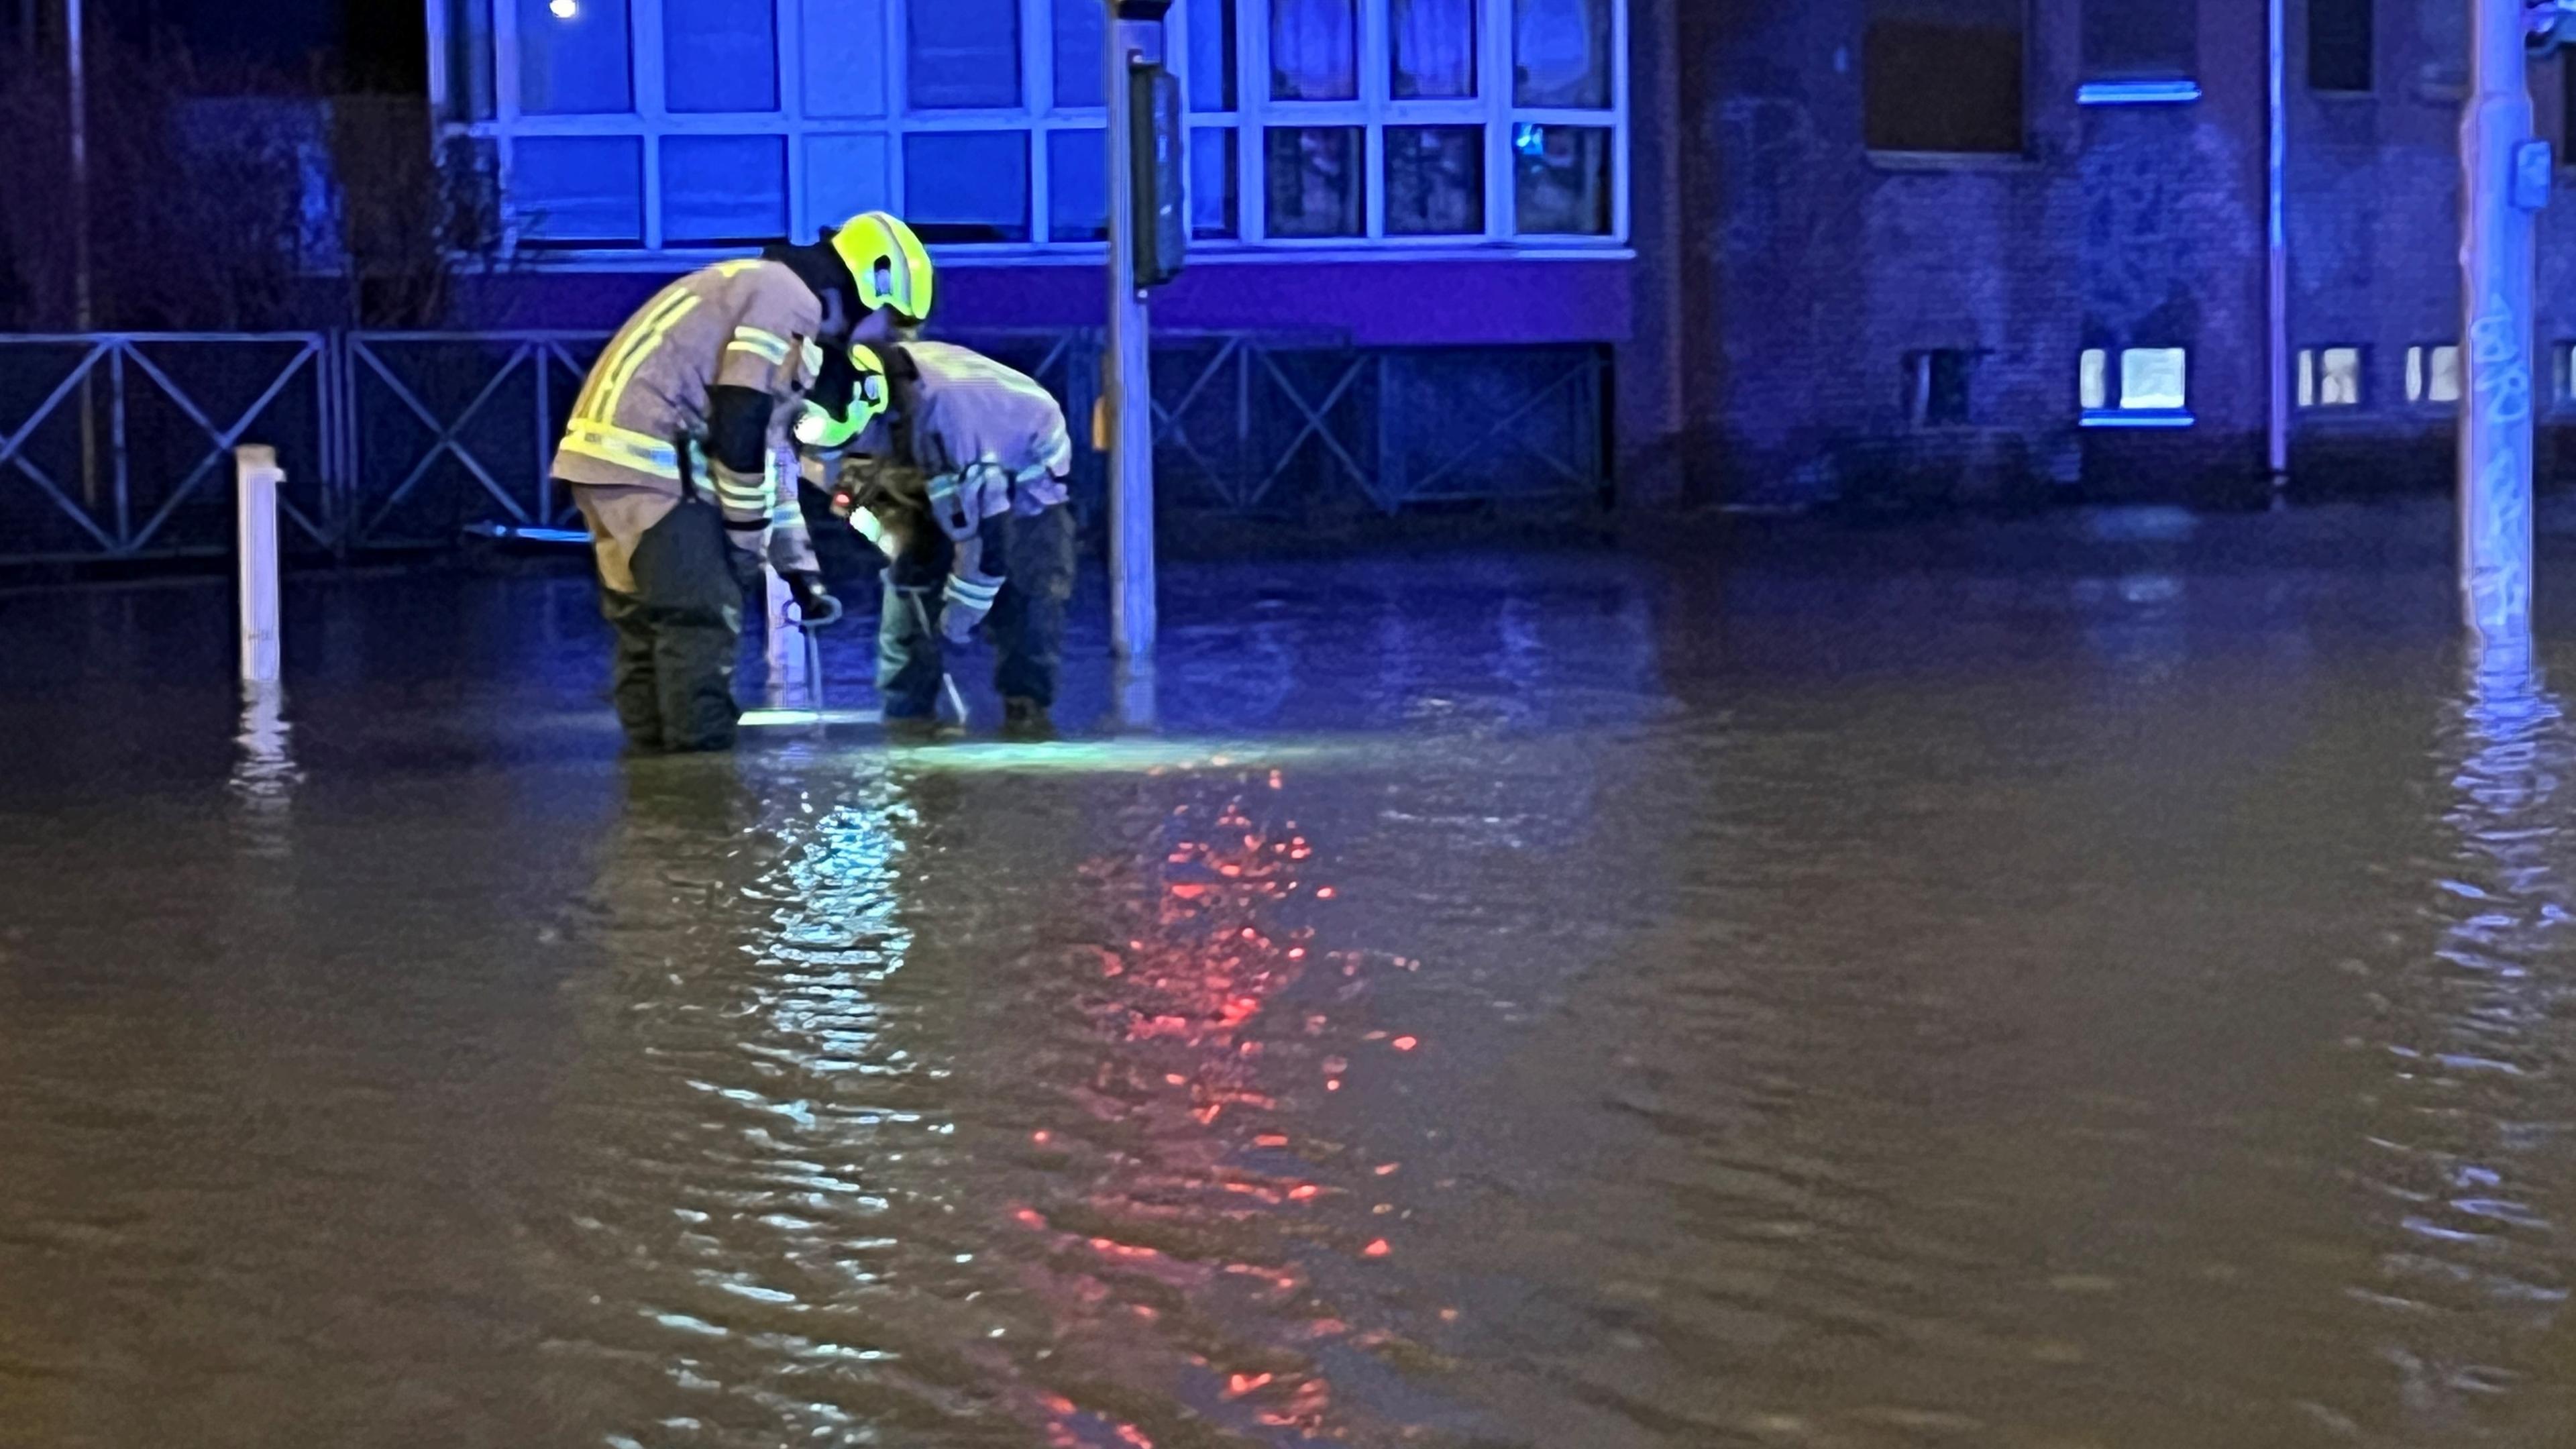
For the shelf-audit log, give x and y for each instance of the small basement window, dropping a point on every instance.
(1938, 386)
(2433, 374)
(2330, 377)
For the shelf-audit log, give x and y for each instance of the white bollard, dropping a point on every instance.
(258, 477)
(788, 682)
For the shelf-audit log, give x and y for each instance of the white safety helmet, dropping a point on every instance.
(890, 265)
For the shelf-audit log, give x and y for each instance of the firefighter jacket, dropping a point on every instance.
(634, 447)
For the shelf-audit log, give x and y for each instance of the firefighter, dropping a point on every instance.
(960, 482)
(681, 457)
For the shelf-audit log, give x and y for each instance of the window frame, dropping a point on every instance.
(1037, 117)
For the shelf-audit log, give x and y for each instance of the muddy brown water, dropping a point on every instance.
(2096, 985)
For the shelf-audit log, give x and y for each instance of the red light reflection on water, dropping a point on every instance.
(1173, 1252)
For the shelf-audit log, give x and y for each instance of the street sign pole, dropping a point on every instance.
(1128, 384)
(2504, 182)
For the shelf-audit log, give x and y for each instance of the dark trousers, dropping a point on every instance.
(678, 634)
(1026, 625)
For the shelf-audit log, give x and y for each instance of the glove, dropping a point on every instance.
(965, 602)
(815, 606)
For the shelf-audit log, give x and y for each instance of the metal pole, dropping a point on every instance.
(2277, 281)
(255, 501)
(1127, 389)
(2498, 197)
(76, 61)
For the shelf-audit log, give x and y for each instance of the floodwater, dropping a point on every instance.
(2100, 983)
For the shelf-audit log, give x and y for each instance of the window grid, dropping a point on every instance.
(1037, 117)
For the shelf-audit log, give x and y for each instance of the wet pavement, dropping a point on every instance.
(2099, 983)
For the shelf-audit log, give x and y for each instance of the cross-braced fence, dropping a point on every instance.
(114, 446)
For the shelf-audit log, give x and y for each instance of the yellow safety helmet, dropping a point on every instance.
(820, 430)
(889, 263)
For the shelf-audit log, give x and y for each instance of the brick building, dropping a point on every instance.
(1999, 250)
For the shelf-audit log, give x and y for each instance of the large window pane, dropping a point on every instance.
(1561, 53)
(1077, 186)
(1562, 179)
(1078, 60)
(719, 55)
(718, 189)
(1316, 182)
(845, 175)
(1432, 46)
(573, 58)
(844, 56)
(1212, 52)
(1314, 50)
(578, 190)
(963, 55)
(1214, 202)
(1435, 180)
(967, 186)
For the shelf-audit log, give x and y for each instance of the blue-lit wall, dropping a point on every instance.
(1824, 266)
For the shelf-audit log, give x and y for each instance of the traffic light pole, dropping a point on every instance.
(2504, 180)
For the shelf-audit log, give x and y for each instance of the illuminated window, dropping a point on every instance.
(2152, 378)
(1416, 123)
(2433, 374)
(2142, 380)
(2330, 377)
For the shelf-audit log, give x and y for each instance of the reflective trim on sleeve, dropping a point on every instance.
(769, 347)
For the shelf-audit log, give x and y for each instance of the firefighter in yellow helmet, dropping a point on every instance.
(681, 456)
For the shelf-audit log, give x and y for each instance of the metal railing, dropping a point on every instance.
(407, 439)
(114, 436)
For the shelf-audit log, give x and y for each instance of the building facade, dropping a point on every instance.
(1993, 250)
(1987, 251)
(1440, 187)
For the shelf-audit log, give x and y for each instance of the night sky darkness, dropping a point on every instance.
(379, 44)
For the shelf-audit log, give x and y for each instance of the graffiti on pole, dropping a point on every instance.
(2503, 380)
(2499, 513)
